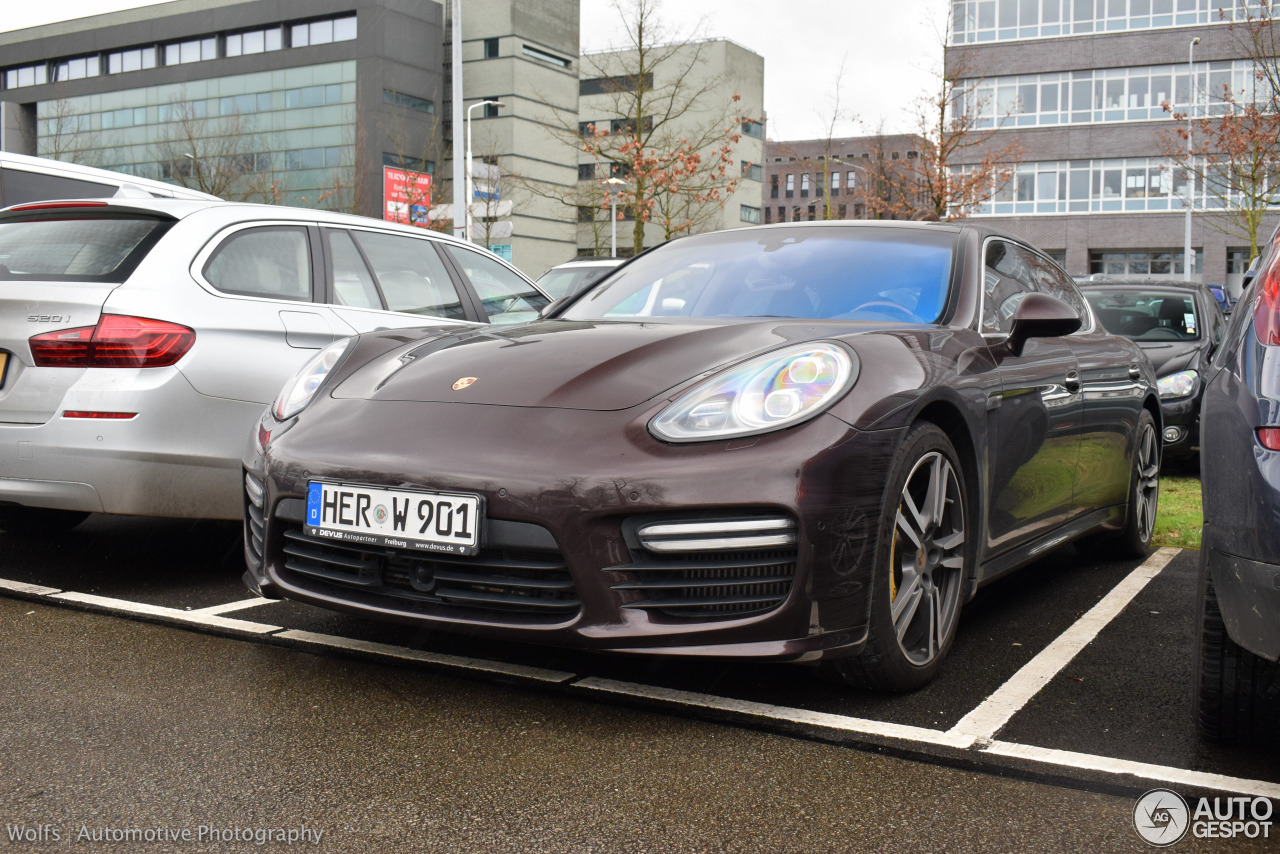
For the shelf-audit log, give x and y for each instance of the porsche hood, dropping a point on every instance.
(567, 364)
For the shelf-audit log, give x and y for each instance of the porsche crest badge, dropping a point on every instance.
(464, 382)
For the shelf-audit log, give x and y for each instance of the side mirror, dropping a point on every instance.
(1040, 316)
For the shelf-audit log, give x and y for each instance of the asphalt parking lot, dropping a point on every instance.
(1076, 670)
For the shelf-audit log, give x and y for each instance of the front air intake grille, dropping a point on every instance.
(532, 582)
(707, 569)
(253, 495)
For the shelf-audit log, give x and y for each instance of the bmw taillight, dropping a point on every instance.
(116, 341)
(1266, 313)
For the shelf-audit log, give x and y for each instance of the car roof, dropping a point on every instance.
(65, 169)
(231, 212)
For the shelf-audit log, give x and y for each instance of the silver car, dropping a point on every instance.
(140, 340)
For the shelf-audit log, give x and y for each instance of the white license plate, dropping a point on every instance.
(409, 519)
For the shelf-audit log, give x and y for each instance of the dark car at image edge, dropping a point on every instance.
(1237, 691)
(807, 442)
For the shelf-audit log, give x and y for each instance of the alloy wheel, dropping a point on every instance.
(927, 559)
(1147, 491)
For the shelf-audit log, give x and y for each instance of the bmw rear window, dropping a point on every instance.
(76, 249)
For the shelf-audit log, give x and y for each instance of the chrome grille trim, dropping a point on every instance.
(717, 535)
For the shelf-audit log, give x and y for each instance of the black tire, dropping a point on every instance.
(1134, 540)
(39, 520)
(921, 563)
(1237, 694)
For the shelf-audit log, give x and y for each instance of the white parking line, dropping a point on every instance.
(235, 606)
(407, 654)
(987, 718)
(24, 587)
(1125, 767)
(993, 713)
(169, 613)
(842, 723)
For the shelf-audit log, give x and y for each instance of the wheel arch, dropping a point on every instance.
(949, 416)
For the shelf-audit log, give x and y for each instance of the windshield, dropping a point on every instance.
(853, 273)
(1147, 314)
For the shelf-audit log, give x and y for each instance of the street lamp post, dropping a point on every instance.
(1191, 90)
(470, 192)
(613, 217)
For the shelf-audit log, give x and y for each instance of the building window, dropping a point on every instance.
(768, 215)
(752, 171)
(791, 186)
(773, 186)
(746, 213)
(31, 75)
(586, 213)
(1238, 260)
(412, 102)
(411, 164)
(254, 41)
(313, 96)
(1005, 20)
(835, 183)
(542, 56)
(613, 85)
(813, 212)
(586, 171)
(491, 48)
(323, 32)
(491, 110)
(850, 180)
(628, 126)
(804, 185)
(131, 60)
(77, 69)
(1153, 262)
(782, 214)
(755, 129)
(194, 50)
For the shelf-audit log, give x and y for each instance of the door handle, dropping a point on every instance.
(1072, 382)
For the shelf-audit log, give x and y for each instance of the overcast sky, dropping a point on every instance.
(889, 50)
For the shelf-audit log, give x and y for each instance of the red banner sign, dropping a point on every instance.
(406, 196)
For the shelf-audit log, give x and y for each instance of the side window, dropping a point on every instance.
(274, 261)
(21, 187)
(352, 283)
(411, 274)
(1052, 281)
(506, 297)
(1006, 280)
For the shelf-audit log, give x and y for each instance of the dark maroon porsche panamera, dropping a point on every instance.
(800, 442)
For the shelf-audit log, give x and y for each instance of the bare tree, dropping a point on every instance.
(67, 135)
(961, 163)
(666, 132)
(207, 154)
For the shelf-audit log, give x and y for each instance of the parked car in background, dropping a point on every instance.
(1178, 325)
(806, 442)
(1220, 294)
(140, 339)
(1237, 694)
(33, 179)
(575, 276)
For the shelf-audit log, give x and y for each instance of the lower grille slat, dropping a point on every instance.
(498, 580)
(737, 578)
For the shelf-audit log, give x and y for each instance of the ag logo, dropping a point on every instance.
(1161, 817)
(464, 382)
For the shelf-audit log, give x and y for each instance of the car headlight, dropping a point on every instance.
(1181, 384)
(766, 393)
(299, 391)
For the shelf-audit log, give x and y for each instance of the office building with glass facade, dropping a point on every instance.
(1083, 85)
(289, 101)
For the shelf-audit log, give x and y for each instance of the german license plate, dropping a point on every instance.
(446, 522)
